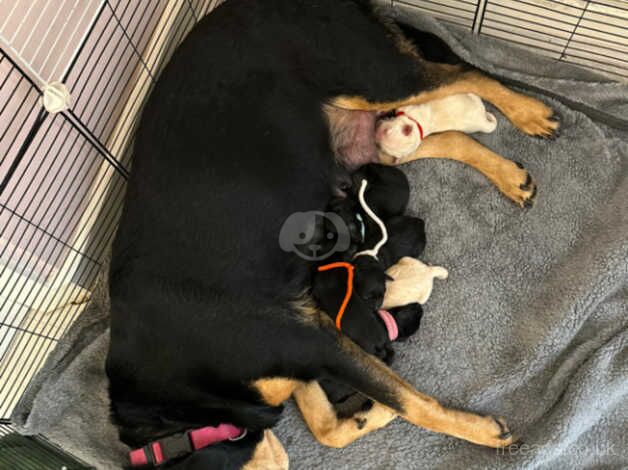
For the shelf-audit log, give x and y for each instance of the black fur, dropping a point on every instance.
(406, 237)
(408, 318)
(387, 192)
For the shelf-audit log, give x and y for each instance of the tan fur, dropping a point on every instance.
(528, 114)
(268, 455)
(322, 421)
(424, 411)
(417, 408)
(309, 311)
(275, 390)
(505, 174)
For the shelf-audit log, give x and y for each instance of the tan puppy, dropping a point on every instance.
(402, 135)
(412, 282)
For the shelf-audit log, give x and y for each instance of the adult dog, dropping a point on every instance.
(210, 323)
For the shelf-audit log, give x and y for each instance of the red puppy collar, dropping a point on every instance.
(178, 445)
(418, 125)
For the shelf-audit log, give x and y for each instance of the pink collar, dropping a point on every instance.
(178, 445)
(401, 113)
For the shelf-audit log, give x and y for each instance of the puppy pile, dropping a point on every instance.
(389, 282)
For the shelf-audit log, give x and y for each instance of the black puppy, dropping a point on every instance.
(387, 192)
(406, 237)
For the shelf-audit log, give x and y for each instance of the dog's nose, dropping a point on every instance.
(407, 130)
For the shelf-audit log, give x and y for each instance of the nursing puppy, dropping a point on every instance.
(400, 136)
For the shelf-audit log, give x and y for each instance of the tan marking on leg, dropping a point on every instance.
(275, 390)
(511, 180)
(424, 411)
(268, 455)
(322, 421)
(528, 114)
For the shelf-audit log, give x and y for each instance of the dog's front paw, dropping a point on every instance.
(533, 117)
(491, 432)
(516, 183)
(502, 437)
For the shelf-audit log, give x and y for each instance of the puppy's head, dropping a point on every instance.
(347, 210)
(398, 136)
(369, 281)
(387, 192)
(360, 321)
(408, 319)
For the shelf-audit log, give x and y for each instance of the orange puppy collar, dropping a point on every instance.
(345, 302)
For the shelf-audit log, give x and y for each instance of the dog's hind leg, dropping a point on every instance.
(329, 430)
(371, 377)
(323, 352)
(509, 177)
(528, 114)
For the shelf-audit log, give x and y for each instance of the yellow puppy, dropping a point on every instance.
(464, 112)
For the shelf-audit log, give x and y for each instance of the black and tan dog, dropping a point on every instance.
(209, 323)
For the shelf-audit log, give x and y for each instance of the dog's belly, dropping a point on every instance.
(353, 136)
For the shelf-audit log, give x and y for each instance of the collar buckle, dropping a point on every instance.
(176, 446)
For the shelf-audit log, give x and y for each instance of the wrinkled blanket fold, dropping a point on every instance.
(532, 323)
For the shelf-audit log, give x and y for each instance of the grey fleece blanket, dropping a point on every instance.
(532, 323)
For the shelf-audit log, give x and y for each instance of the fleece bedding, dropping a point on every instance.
(532, 323)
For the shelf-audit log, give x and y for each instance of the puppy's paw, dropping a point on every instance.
(516, 183)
